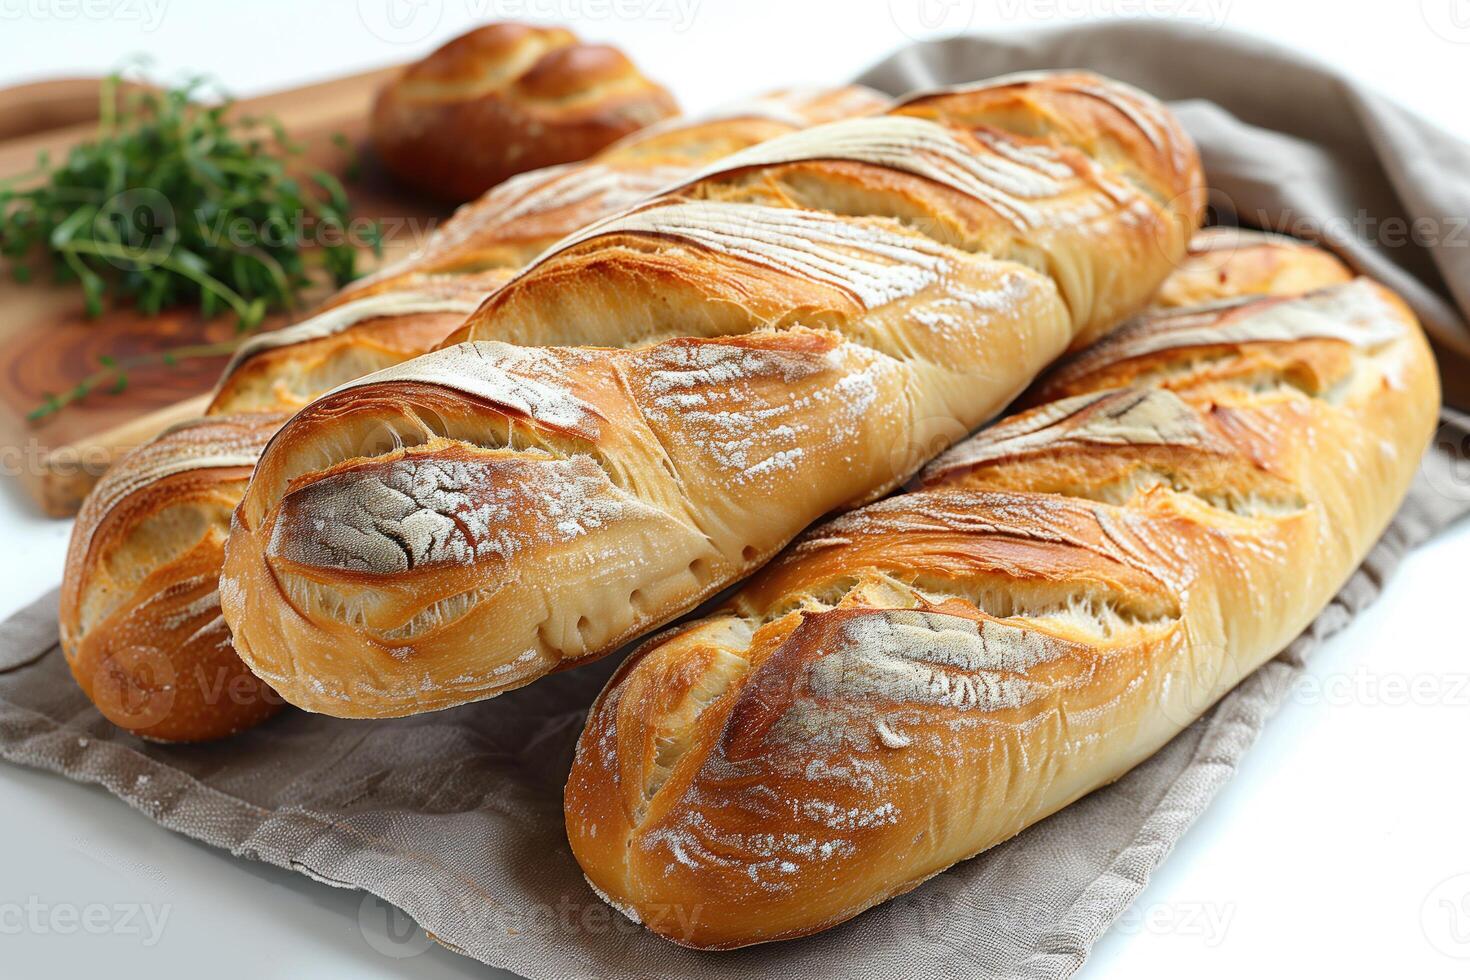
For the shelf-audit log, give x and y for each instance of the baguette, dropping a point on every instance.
(506, 98)
(140, 621)
(921, 679)
(408, 307)
(149, 540)
(793, 331)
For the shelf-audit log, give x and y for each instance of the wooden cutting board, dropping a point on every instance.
(47, 345)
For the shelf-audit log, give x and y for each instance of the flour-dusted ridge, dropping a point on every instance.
(164, 518)
(338, 319)
(421, 510)
(198, 444)
(1148, 417)
(526, 380)
(1357, 313)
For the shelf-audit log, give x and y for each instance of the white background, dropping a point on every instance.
(1339, 849)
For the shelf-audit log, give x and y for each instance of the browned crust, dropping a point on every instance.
(799, 318)
(504, 99)
(1226, 262)
(206, 692)
(140, 620)
(486, 241)
(285, 372)
(920, 679)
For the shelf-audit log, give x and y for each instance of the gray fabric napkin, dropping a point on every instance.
(1288, 144)
(456, 816)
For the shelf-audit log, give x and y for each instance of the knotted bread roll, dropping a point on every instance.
(504, 99)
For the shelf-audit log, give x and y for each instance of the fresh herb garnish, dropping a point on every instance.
(180, 202)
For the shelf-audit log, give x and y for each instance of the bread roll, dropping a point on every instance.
(140, 619)
(923, 678)
(410, 306)
(504, 99)
(795, 330)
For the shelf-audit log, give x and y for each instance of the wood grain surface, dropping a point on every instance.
(47, 344)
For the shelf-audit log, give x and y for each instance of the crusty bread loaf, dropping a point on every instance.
(163, 510)
(795, 330)
(281, 370)
(140, 620)
(923, 678)
(410, 306)
(504, 99)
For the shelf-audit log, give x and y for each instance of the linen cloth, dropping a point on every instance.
(456, 816)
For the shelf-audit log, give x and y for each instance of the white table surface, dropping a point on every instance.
(1338, 849)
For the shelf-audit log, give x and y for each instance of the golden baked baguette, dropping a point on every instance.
(140, 620)
(506, 98)
(921, 679)
(149, 540)
(795, 330)
(408, 307)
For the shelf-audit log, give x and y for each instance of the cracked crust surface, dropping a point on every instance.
(922, 678)
(792, 331)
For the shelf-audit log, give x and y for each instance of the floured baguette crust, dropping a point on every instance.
(140, 620)
(408, 307)
(921, 679)
(794, 330)
(504, 99)
(282, 370)
(402, 311)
